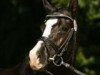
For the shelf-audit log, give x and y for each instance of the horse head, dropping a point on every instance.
(59, 26)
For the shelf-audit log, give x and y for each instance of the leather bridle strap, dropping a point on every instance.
(57, 58)
(59, 16)
(61, 50)
(48, 42)
(64, 46)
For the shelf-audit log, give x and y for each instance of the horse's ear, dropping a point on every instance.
(73, 6)
(48, 6)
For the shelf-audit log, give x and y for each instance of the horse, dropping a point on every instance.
(55, 49)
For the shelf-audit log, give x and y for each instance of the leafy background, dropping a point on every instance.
(20, 22)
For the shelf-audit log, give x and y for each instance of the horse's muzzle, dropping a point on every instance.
(34, 61)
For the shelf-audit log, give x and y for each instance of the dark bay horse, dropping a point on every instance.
(57, 43)
(55, 49)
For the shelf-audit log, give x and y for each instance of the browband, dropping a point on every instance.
(59, 16)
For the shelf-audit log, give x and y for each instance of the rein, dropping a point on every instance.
(57, 59)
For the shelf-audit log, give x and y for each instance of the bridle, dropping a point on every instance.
(63, 48)
(57, 58)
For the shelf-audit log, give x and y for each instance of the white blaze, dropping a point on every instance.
(49, 25)
(34, 60)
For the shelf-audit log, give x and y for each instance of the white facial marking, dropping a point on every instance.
(34, 60)
(49, 25)
(36, 47)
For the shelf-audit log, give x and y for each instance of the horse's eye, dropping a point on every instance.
(68, 21)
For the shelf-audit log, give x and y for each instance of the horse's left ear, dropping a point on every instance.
(73, 6)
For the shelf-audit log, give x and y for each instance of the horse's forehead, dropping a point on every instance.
(51, 22)
(64, 12)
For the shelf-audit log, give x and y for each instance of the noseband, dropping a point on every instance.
(57, 58)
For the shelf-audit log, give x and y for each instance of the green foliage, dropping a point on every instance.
(92, 6)
(84, 62)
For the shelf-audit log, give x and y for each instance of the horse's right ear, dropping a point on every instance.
(48, 6)
(73, 6)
